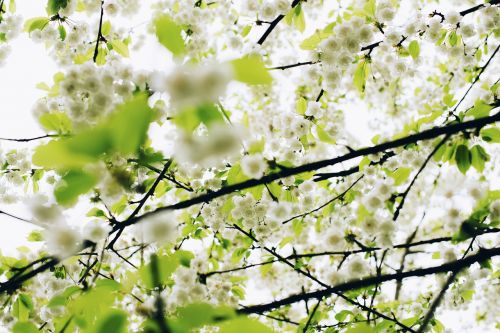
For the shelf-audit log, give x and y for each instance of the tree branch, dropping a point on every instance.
(311, 277)
(437, 300)
(99, 33)
(340, 196)
(32, 139)
(274, 23)
(482, 255)
(405, 193)
(425, 135)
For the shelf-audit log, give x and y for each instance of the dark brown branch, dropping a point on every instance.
(405, 193)
(483, 68)
(99, 33)
(143, 201)
(203, 276)
(298, 64)
(454, 128)
(482, 255)
(437, 300)
(399, 283)
(13, 284)
(478, 7)
(323, 176)
(340, 196)
(425, 135)
(312, 278)
(274, 23)
(311, 315)
(407, 246)
(379, 273)
(31, 139)
(398, 246)
(15, 217)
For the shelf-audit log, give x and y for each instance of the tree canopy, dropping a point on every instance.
(295, 166)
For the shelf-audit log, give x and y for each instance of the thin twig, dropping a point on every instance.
(99, 34)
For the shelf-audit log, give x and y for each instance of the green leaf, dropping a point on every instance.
(251, 70)
(115, 321)
(35, 236)
(167, 264)
(106, 28)
(190, 118)
(301, 105)
(63, 298)
(452, 38)
(62, 32)
(169, 34)
(12, 6)
(360, 75)
(414, 49)
(312, 41)
(53, 6)
(128, 126)
(22, 307)
(56, 121)
(246, 30)
(244, 325)
(478, 157)
(400, 175)
(360, 328)
(24, 327)
(299, 19)
(463, 158)
(75, 152)
(491, 134)
(369, 8)
(35, 23)
(323, 136)
(120, 47)
(72, 185)
(198, 315)
(342, 315)
(480, 109)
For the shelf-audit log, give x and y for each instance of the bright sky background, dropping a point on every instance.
(28, 64)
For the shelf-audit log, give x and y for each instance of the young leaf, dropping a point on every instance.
(251, 70)
(56, 121)
(25, 327)
(361, 328)
(244, 325)
(62, 32)
(115, 321)
(128, 126)
(120, 47)
(73, 184)
(360, 75)
(480, 109)
(463, 158)
(169, 34)
(414, 49)
(491, 134)
(35, 23)
(478, 157)
(53, 6)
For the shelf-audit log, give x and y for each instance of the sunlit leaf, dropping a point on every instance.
(251, 70)
(169, 34)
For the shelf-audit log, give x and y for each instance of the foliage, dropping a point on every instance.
(286, 170)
